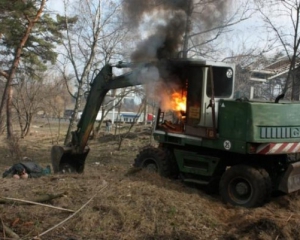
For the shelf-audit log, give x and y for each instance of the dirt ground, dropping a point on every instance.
(110, 201)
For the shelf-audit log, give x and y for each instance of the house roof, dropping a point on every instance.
(274, 70)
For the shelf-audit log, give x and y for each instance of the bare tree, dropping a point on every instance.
(40, 93)
(207, 21)
(114, 101)
(90, 43)
(282, 19)
(246, 58)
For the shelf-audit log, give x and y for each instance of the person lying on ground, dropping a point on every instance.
(28, 169)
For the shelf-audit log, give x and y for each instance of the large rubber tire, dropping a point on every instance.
(244, 186)
(153, 159)
(170, 158)
(268, 183)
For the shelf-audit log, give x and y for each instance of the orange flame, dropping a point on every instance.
(178, 101)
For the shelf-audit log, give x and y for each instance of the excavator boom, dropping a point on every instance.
(71, 158)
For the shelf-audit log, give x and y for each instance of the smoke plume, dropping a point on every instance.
(167, 34)
(170, 18)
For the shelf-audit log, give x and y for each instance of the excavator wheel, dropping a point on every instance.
(245, 186)
(154, 160)
(268, 184)
(174, 170)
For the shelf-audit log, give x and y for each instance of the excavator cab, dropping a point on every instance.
(194, 108)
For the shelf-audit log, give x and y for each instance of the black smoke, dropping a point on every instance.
(167, 35)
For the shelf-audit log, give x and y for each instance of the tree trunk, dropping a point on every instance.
(10, 130)
(187, 30)
(118, 116)
(20, 124)
(145, 110)
(74, 117)
(28, 124)
(296, 85)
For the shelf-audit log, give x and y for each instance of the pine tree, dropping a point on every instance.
(28, 38)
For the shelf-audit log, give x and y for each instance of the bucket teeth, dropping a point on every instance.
(65, 159)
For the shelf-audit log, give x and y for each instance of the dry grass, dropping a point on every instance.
(135, 205)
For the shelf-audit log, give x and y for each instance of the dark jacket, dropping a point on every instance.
(32, 169)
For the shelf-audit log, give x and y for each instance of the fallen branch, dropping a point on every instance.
(6, 230)
(68, 218)
(41, 199)
(36, 203)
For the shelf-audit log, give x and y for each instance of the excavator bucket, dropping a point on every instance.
(65, 160)
(290, 181)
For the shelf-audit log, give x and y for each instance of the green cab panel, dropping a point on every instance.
(259, 122)
(182, 139)
(192, 162)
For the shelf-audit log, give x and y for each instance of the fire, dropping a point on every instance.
(178, 101)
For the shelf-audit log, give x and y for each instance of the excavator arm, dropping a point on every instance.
(71, 158)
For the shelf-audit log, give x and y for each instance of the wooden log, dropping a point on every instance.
(36, 203)
(40, 199)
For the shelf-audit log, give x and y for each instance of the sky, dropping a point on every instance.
(248, 33)
(55, 5)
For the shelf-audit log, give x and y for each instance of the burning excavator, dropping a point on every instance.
(245, 149)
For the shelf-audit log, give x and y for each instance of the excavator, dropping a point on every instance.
(246, 149)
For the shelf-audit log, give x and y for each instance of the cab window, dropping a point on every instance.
(223, 82)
